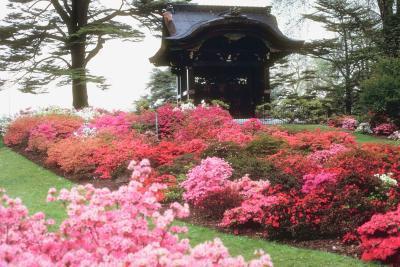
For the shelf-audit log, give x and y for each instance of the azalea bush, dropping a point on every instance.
(124, 227)
(380, 238)
(385, 129)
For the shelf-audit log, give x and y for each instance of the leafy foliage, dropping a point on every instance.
(381, 93)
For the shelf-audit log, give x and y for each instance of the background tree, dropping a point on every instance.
(162, 87)
(352, 50)
(381, 93)
(47, 40)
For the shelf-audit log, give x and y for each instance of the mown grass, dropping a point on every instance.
(30, 182)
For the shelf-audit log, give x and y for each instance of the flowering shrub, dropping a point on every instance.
(74, 155)
(169, 120)
(349, 123)
(4, 123)
(211, 176)
(322, 156)
(380, 238)
(385, 129)
(387, 180)
(109, 229)
(18, 131)
(317, 140)
(314, 181)
(364, 128)
(395, 136)
(253, 126)
(52, 129)
(115, 124)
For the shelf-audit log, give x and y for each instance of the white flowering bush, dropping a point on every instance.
(387, 179)
(86, 130)
(395, 136)
(364, 128)
(4, 123)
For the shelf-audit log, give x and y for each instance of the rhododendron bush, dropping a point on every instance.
(120, 228)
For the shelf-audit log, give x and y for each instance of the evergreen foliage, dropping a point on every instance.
(52, 40)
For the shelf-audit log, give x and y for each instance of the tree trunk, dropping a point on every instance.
(348, 99)
(79, 86)
(78, 53)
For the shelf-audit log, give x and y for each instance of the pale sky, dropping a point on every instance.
(126, 67)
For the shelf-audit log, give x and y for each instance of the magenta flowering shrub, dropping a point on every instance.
(385, 129)
(117, 124)
(108, 229)
(211, 176)
(314, 181)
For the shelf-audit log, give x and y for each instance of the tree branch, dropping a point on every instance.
(51, 57)
(67, 8)
(63, 14)
(96, 50)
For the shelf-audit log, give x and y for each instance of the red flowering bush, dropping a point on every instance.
(52, 128)
(385, 129)
(74, 155)
(169, 120)
(380, 238)
(318, 140)
(253, 126)
(18, 131)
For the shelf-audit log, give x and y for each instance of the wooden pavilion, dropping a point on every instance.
(223, 52)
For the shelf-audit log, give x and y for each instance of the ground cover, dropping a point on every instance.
(24, 179)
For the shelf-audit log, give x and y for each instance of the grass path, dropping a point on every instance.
(22, 178)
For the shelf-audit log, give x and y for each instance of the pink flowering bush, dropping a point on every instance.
(385, 129)
(117, 124)
(313, 181)
(108, 229)
(322, 156)
(349, 123)
(211, 176)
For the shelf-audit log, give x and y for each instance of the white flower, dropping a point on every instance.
(364, 127)
(387, 179)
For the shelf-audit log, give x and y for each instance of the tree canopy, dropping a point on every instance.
(48, 40)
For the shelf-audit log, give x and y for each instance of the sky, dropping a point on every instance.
(126, 68)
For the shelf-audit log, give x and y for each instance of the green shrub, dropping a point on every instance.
(222, 150)
(264, 145)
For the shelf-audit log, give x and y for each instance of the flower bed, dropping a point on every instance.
(103, 228)
(303, 185)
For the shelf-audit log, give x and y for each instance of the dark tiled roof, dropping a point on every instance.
(187, 24)
(188, 17)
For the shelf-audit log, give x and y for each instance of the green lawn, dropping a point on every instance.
(24, 179)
